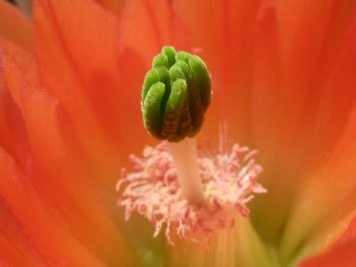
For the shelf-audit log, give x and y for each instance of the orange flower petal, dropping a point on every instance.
(149, 25)
(16, 248)
(302, 95)
(350, 232)
(337, 100)
(268, 122)
(113, 5)
(311, 35)
(63, 177)
(17, 188)
(293, 59)
(15, 26)
(83, 60)
(52, 239)
(341, 254)
(326, 198)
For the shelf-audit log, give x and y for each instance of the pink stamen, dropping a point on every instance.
(228, 178)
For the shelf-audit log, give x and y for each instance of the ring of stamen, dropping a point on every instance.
(229, 180)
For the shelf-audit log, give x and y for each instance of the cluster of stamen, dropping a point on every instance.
(228, 178)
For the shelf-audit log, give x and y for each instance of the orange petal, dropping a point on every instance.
(329, 182)
(342, 254)
(18, 192)
(51, 239)
(311, 35)
(154, 24)
(113, 5)
(12, 126)
(302, 94)
(337, 100)
(295, 54)
(83, 61)
(350, 232)
(268, 122)
(326, 198)
(73, 189)
(16, 248)
(15, 26)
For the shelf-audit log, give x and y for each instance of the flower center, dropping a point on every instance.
(187, 192)
(152, 189)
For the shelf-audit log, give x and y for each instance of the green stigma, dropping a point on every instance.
(176, 92)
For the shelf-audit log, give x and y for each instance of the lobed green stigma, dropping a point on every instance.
(176, 92)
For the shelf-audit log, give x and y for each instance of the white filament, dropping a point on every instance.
(185, 159)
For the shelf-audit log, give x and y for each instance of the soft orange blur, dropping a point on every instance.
(284, 82)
